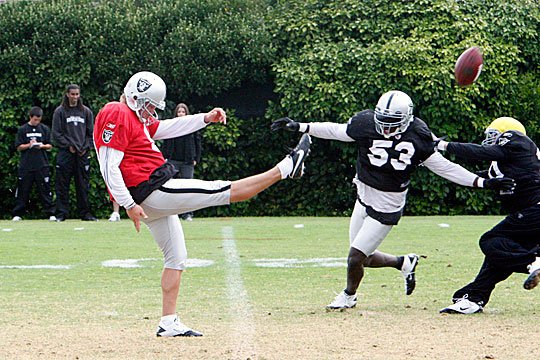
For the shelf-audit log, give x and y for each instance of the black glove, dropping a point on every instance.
(285, 123)
(502, 184)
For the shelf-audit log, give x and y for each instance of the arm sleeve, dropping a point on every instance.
(57, 134)
(109, 165)
(176, 127)
(452, 171)
(475, 151)
(327, 130)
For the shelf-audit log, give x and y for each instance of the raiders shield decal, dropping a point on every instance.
(107, 136)
(143, 85)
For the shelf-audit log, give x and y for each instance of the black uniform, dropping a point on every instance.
(515, 242)
(386, 164)
(33, 168)
(72, 127)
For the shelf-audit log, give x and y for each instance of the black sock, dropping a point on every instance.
(400, 260)
(346, 292)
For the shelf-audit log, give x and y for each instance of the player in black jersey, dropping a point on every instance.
(513, 245)
(391, 143)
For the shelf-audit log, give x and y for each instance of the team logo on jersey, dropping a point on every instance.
(110, 125)
(143, 85)
(107, 136)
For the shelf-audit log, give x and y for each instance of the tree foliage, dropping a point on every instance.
(337, 57)
(327, 60)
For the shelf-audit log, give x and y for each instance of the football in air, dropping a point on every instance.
(468, 66)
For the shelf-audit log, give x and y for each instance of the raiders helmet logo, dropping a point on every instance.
(143, 85)
(107, 136)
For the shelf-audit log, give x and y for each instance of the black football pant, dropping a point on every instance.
(26, 180)
(70, 165)
(509, 247)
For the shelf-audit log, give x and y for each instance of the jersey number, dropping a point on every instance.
(379, 154)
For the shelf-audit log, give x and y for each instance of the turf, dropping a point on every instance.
(271, 288)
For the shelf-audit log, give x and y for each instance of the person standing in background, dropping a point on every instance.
(72, 129)
(184, 152)
(33, 141)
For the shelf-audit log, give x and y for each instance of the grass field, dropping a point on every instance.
(257, 290)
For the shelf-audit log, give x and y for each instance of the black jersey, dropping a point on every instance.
(33, 158)
(384, 163)
(514, 155)
(73, 127)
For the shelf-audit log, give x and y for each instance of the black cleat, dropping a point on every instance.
(299, 155)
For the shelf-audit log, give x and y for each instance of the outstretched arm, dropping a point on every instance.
(459, 175)
(323, 130)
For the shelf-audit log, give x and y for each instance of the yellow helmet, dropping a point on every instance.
(499, 126)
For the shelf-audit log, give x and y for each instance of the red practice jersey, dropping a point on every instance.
(118, 127)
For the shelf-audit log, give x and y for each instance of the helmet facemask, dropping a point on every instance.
(491, 136)
(500, 126)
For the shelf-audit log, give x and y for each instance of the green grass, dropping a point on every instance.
(452, 259)
(95, 295)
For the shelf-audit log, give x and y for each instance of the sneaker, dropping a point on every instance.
(299, 155)
(410, 262)
(189, 218)
(52, 218)
(534, 275)
(462, 306)
(343, 301)
(175, 329)
(115, 217)
(16, 218)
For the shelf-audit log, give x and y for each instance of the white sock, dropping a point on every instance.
(285, 166)
(535, 265)
(168, 319)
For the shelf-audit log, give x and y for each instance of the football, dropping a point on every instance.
(468, 66)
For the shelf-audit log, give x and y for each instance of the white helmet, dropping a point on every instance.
(145, 88)
(393, 113)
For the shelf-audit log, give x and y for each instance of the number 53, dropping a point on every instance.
(379, 155)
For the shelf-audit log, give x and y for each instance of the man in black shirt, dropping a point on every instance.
(513, 245)
(33, 142)
(72, 129)
(391, 143)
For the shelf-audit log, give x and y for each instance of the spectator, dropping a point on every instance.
(72, 128)
(184, 152)
(33, 142)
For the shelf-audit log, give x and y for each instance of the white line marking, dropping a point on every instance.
(297, 263)
(243, 330)
(61, 267)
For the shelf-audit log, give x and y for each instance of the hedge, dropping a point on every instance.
(325, 59)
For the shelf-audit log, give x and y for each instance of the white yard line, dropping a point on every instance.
(243, 325)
